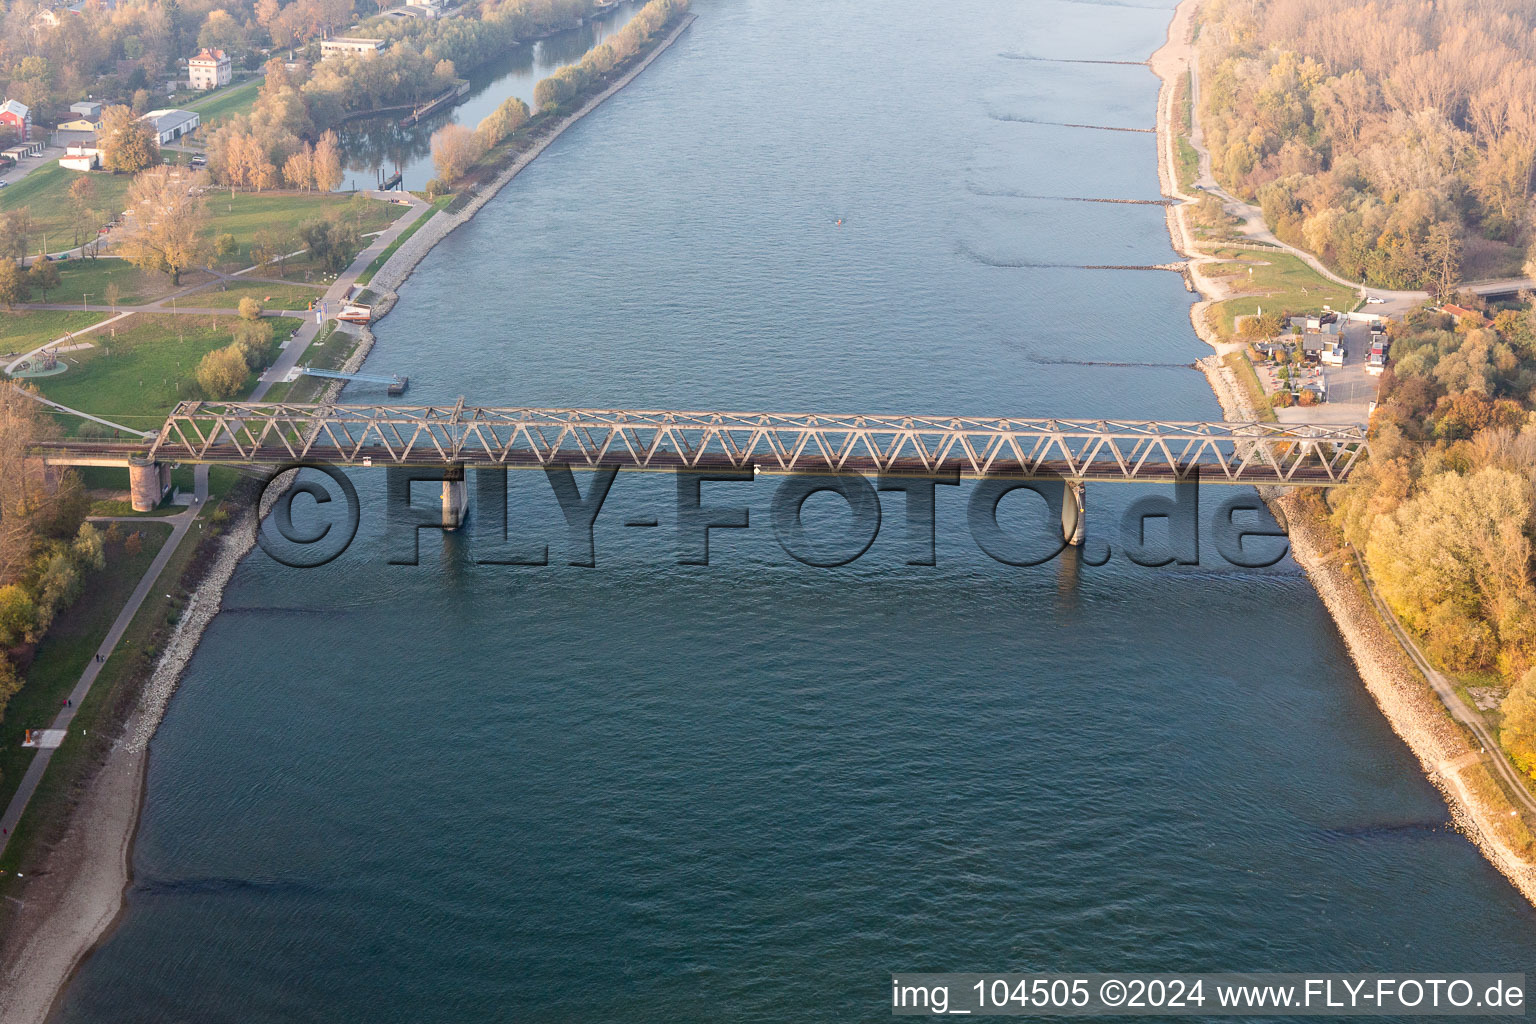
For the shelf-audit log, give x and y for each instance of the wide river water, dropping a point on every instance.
(750, 791)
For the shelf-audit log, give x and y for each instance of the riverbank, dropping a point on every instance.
(1449, 758)
(68, 911)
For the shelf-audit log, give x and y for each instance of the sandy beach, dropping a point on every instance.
(1449, 759)
(73, 907)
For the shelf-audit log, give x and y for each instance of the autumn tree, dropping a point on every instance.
(299, 170)
(1517, 730)
(169, 221)
(326, 170)
(13, 284)
(15, 233)
(1454, 562)
(36, 503)
(1442, 260)
(454, 149)
(127, 144)
(249, 309)
(253, 340)
(502, 122)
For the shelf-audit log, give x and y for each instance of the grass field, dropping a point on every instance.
(22, 331)
(45, 193)
(68, 647)
(138, 376)
(87, 276)
(1280, 283)
(1242, 369)
(227, 102)
(271, 296)
(246, 213)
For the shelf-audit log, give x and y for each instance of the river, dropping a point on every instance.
(377, 147)
(752, 791)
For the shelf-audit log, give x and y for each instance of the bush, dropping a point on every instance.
(226, 245)
(222, 373)
(250, 309)
(18, 614)
(253, 339)
(436, 189)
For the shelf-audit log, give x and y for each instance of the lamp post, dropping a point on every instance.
(85, 300)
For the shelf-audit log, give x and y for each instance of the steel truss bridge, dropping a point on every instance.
(458, 436)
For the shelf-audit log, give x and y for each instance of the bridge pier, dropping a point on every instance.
(148, 482)
(1073, 513)
(455, 497)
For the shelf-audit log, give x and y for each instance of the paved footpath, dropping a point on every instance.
(338, 292)
(180, 525)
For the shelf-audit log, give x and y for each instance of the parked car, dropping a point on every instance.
(3, 183)
(1374, 301)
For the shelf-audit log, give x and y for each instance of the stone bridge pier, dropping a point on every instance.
(455, 497)
(148, 482)
(1073, 513)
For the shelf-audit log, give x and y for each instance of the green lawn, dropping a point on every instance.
(271, 296)
(87, 276)
(138, 376)
(1280, 283)
(69, 646)
(227, 102)
(45, 193)
(245, 213)
(24, 330)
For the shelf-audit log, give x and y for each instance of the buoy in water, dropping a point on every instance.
(839, 222)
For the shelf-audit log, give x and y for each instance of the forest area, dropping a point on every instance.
(1387, 138)
(1397, 141)
(1443, 512)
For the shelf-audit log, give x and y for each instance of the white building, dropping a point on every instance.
(350, 44)
(81, 158)
(209, 70)
(171, 125)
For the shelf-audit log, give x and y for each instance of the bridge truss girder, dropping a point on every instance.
(1078, 450)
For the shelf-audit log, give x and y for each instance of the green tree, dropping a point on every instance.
(222, 373)
(253, 338)
(226, 246)
(43, 276)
